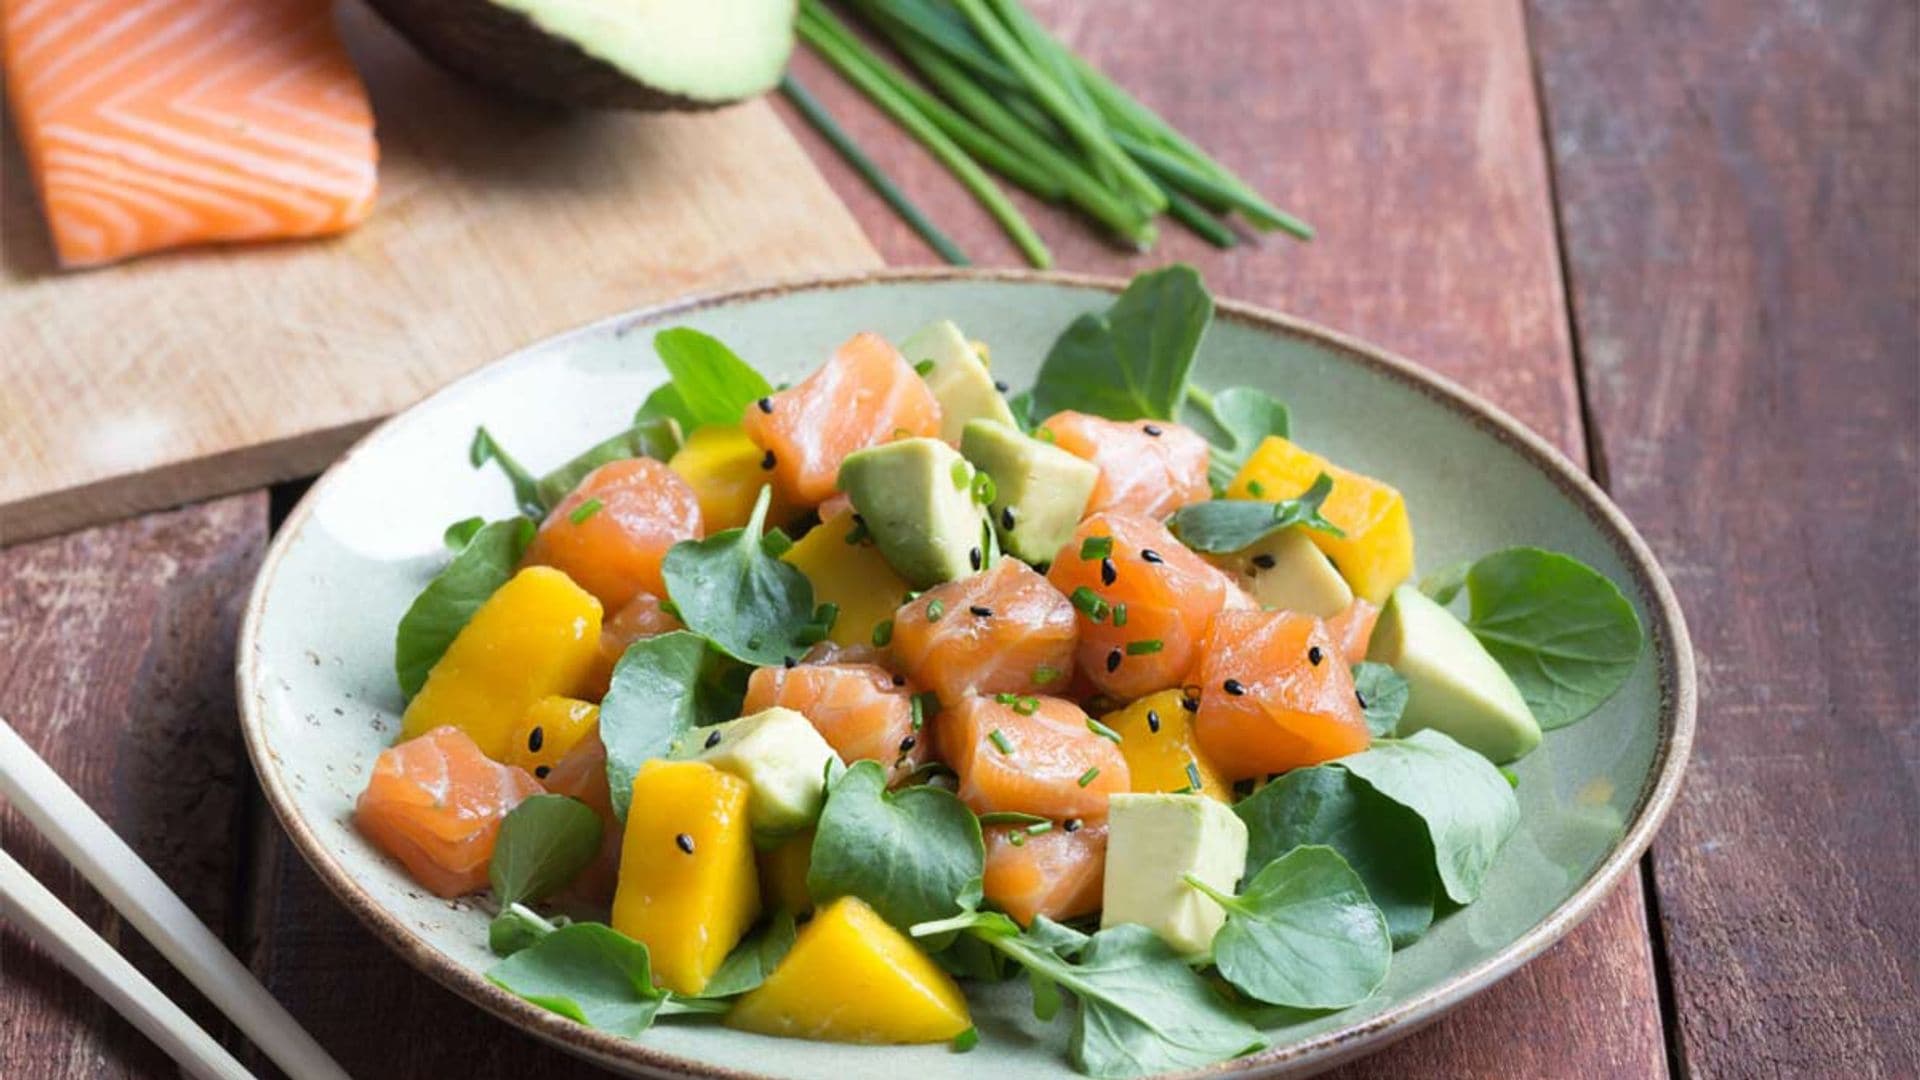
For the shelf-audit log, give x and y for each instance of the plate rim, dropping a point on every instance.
(1677, 713)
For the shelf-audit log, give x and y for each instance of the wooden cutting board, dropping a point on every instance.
(190, 374)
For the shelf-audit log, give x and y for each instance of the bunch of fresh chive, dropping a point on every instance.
(997, 91)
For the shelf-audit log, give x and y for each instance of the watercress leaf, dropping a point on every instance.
(751, 605)
(516, 927)
(1383, 696)
(1444, 584)
(526, 490)
(665, 403)
(1562, 631)
(1469, 809)
(656, 438)
(461, 531)
(1303, 933)
(587, 972)
(1235, 420)
(751, 961)
(1064, 940)
(1143, 1010)
(714, 386)
(910, 854)
(662, 687)
(442, 609)
(1218, 526)
(542, 844)
(1132, 361)
(1384, 842)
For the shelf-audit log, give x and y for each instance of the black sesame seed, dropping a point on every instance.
(858, 520)
(1361, 698)
(536, 738)
(713, 739)
(684, 842)
(1108, 572)
(981, 611)
(974, 557)
(908, 744)
(1072, 824)
(1150, 555)
(1001, 385)
(767, 462)
(1153, 721)
(541, 771)
(1152, 429)
(1232, 686)
(1006, 518)
(1263, 561)
(788, 662)
(1314, 655)
(899, 680)
(766, 405)
(1113, 660)
(1191, 704)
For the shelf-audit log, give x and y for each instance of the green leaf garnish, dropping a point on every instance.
(662, 688)
(526, 489)
(657, 438)
(751, 961)
(1563, 632)
(543, 843)
(1132, 361)
(1236, 420)
(442, 609)
(1383, 696)
(710, 385)
(1218, 526)
(750, 604)
(1303, 933)
(461, 531)
(1468, 808)
(912, 855)
(587, 972)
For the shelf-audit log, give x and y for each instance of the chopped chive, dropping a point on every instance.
(1026, 706)
(1102, 730)
(966, 1040)
(1010, 817)
(1193, 775)
(1145, 647)
(926, 706)
(882, 633)
(962, 474)
(1096, 547)
(1256, 489)
(1512, 778)
(984, 489)
(1017, 839)
(585, 510)
(935, 609)
(1044, 434)
(1045, 674)
(1089, 603)
(1039, 827)
(1000, 742)
(1119, 614)
(923, 368)
(919, 713)
(1088, 776)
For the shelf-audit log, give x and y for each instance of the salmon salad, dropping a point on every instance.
(809, 708)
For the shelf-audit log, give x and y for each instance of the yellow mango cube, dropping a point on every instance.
(537, 635)
(687, 889)
(854, 576)
(723, 468)
(1376, 553)
(850, 977)
(1156, 738)
(552, 727)
(783, 874)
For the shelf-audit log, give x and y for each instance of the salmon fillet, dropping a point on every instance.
(153, 124)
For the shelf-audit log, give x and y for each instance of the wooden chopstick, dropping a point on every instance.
(26, 902)
(132, 887)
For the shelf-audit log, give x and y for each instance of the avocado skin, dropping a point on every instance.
(505, 51)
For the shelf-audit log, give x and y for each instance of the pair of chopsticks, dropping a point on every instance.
(132, 887)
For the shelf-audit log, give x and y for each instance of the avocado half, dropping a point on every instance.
(606, 54)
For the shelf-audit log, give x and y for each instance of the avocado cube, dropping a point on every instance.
(1287, 571)
(958, 378)
(1039, 490)
(916, 497)
(783, 759)
(1153, 842)
(1454, 685)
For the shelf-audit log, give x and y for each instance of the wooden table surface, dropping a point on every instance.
(1678, 239)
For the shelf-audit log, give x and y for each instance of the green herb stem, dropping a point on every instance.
(813, 27)
(1212, 189)
(1195, 217)
(1225, 900)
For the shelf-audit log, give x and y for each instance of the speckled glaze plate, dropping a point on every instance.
(318, 700)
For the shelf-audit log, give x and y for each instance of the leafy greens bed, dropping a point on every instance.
(1348, 855)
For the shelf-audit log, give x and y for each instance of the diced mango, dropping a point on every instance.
(537, 635)
(553, 725)
(723, 468)
(783, 874)
(1376, 553)
(850, 977)
(853, 576)
(1156, 738)
(687, 888)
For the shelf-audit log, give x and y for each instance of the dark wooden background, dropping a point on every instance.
(1677, 238)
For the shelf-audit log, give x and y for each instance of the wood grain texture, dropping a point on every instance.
(1409, 135)
(118, 669)
(1741, 206)
(224, 369)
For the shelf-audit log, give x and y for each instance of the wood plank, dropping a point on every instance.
(224, 369)
(119, 671)
(1741, 203)
(1412, 143)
